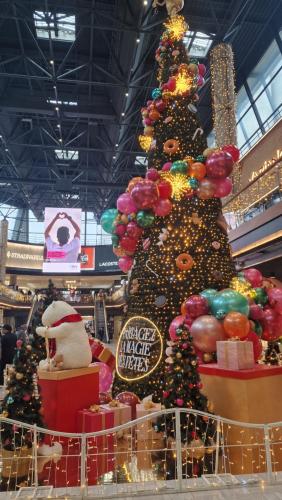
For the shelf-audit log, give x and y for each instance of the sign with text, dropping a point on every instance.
(139, 349)
(24, 256)
(105, 259)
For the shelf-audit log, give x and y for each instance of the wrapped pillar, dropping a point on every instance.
(224, 99)
(3, 248)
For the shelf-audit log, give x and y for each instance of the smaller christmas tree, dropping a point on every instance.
(183, 390)
(22, 401)
(272, 354)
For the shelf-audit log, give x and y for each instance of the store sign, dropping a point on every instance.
(139, 349)
(266, 164)
(23, 256)
(105, 259)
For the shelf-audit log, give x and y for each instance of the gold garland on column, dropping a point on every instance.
(224, 99)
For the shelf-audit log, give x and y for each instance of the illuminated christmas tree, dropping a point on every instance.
(169, 228)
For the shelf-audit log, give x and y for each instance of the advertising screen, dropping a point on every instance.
(62, 240)
(87, 258)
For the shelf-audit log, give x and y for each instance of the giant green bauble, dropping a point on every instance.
(209, 294)
(261, 296)
(144, 218)
(115, 240)
(179, 167)
(108, 218)
(227, 301)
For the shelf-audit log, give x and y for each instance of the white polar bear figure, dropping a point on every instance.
(172, 6)
(62, 323)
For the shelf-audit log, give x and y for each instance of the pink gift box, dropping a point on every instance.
(122, 413)
(235, 355)
(145, 430)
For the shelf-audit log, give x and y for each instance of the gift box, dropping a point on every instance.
(102, 353)
(145, 430)
(64, 392)
(235, 355)
(144, 456)
(123, 451)
(100, 449)
(122, 412)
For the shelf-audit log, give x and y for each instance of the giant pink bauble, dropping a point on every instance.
(219, 165)
(145, 194)
(133, 230)
(200, 81)
(232, 150)
(206, 331)
(120, 229)
(152, 174)
(129, 244)
(171, 84)
(223, 187)
(255, 312)
(105, 376)
(275, 299)
(125, 204)
(196, 305)
(147, 122)
(271, 324)
(176, 323)
(254, 277)
(125, 263)
(202, 69)
(206, 189)
(163, 207)
(257, 345)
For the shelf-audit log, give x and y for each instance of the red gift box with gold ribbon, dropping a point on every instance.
(100, 449)
(102, 353)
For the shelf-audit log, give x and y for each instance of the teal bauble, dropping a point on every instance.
(193, 183)
(261, 296)
(201, 158)
(258, 328)
(227, 301)
(144, 218)
(156, 93)
(209, 294)
(179, 167)
(107, 220)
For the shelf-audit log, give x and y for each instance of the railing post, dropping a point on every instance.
(268, 454)
(35, 456)
(217, 446)
(178, 448)
(83, 458)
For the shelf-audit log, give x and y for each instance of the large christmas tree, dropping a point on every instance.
(169, 228)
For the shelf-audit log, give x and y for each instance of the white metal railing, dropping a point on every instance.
(134, 458)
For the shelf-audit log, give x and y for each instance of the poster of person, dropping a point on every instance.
(62, 240)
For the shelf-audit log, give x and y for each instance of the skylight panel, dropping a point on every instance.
(197, 43)
(65, 103)
(141, 161)
(63, 154)
(57, 26)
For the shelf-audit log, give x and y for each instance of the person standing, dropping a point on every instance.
(8, 349)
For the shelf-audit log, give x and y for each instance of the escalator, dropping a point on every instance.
(101, 319)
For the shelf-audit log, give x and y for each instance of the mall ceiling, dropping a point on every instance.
(73, 76)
